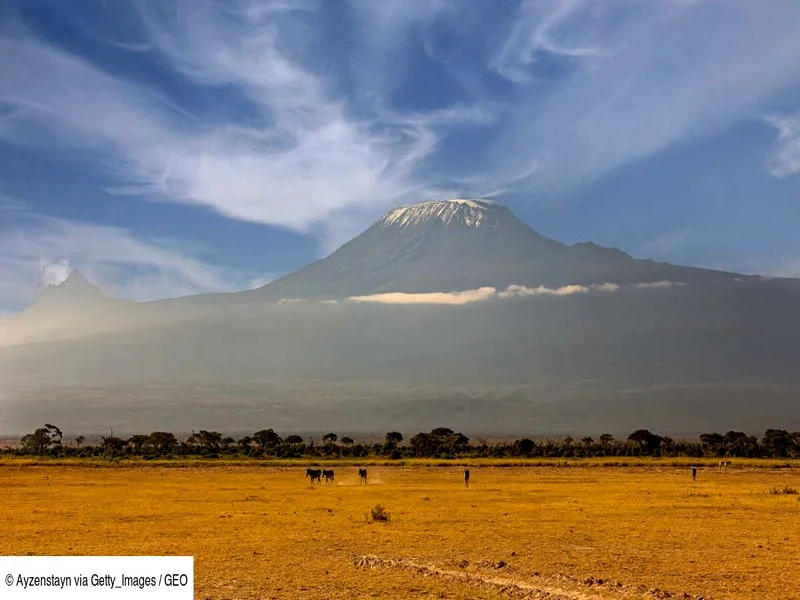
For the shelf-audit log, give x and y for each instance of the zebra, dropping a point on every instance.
(362, 475)
(314, 475)
(328, 475)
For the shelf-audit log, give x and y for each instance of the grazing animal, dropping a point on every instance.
(314, 475)
(466, 477)
(694, 473)
(362, 476)
(328, 475)
(724, 463)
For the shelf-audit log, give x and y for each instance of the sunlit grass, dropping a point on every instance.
(261, 532)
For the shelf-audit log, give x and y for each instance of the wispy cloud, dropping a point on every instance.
(536, 31)
(784, 158)
(303, 156)
(663, 73)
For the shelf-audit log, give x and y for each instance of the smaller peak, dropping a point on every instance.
(75, 278)
(75, 288)
(73, 281)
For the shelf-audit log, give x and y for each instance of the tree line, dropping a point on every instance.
(441, 442)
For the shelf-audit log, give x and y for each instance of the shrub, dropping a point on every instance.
(379, 513)
(785, 490)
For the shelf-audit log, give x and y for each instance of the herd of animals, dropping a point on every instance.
(317, 475)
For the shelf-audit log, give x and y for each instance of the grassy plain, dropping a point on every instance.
(260, 531)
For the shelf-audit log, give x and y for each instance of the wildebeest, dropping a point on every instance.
(694, 473)
(314, 475)
(362, 475)
(328, 475)
(466, 477)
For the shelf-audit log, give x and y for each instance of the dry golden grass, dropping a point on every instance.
(262, 532)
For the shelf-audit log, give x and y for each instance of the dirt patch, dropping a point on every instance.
(502, 577)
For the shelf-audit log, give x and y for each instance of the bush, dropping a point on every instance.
(785, 490)
(379, 513)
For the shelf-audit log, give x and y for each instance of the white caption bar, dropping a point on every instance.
(96, 577)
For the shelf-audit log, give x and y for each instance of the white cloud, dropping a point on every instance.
(290, 301)
(452, 298)
(607, 287)
(482, 294)
(535, 30)
(385, 28)
(283, 301)
(665, 72)
(659, 285)
(41, 251)
(567, 290)
(54, 273)
(784, 157)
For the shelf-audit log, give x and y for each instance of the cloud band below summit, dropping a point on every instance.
(488, 293)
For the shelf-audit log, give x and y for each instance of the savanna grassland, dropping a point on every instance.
(586, 531)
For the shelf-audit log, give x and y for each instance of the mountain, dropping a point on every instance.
(73, 308)
(456, 245)
(629, 343)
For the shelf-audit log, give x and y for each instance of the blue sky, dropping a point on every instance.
(167, 148)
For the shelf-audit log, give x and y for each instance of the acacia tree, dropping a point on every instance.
(136, 442)
(778, 442)
(422, 444)
(112, 444)
(266, 437)
(42, 440)
(393, 438)
(457, 443)
(161, 442)
(209, 441)
(391, 442)
(524, 446)
(648, 442)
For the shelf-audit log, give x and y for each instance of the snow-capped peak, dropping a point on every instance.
(470, 213)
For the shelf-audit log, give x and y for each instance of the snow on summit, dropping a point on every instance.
(470, 213)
